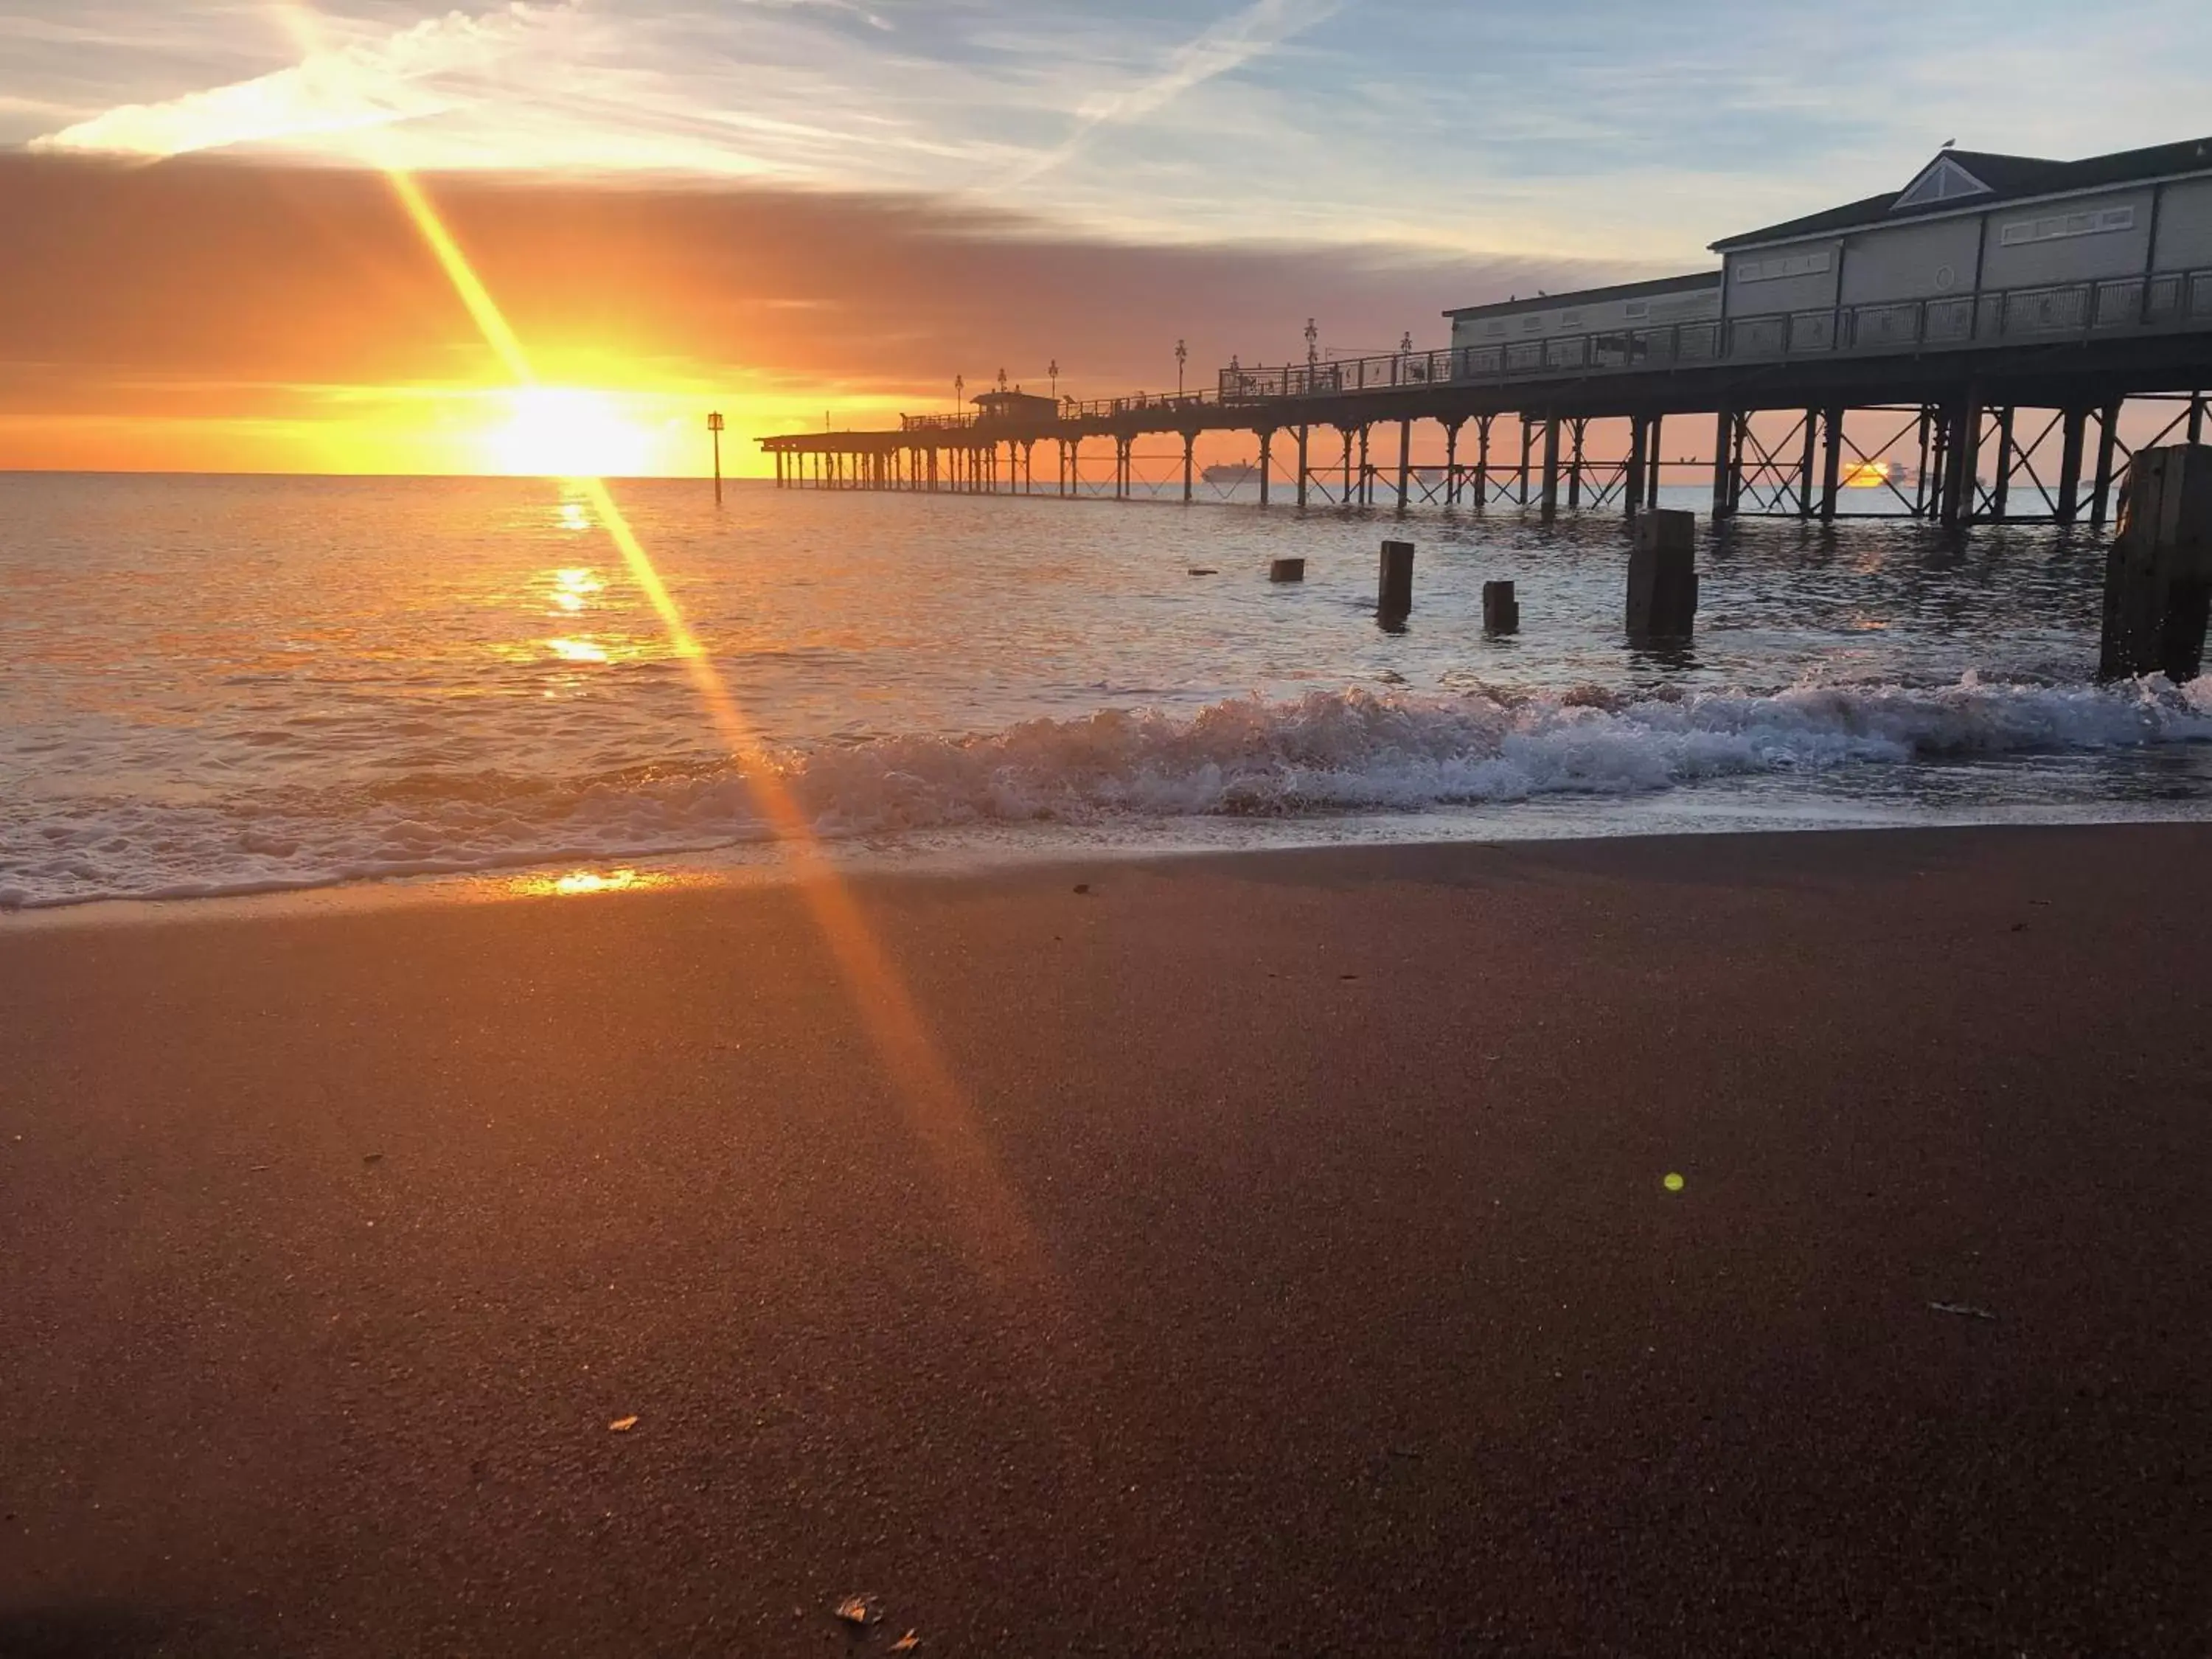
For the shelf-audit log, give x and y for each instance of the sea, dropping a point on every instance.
(220, 685)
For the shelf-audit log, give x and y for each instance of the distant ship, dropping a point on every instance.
(1230, 473)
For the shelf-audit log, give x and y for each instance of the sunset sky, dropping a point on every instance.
(790, 209)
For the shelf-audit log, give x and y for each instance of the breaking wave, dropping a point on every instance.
(1323, 753)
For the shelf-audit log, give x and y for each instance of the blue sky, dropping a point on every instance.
(1589, 129)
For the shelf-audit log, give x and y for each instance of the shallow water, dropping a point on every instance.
(230, 684)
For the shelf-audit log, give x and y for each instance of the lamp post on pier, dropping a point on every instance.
(714, 430)
(1054, 371)
(1182, 355)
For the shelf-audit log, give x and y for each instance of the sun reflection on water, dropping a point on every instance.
(624, 880)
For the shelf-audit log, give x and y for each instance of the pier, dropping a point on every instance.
(1968, 349)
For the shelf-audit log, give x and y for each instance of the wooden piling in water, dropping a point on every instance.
(1500, 612)
(2158, 573)
(1662, 575)
(1394, 592)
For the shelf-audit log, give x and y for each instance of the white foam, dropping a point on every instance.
(1323, 753)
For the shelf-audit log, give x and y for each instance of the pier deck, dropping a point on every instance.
(1978, 388)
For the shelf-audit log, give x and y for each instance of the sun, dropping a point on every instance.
(562, 432)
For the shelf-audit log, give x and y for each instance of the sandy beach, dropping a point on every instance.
(1269, 1254)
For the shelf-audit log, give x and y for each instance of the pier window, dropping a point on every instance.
(2052, 227)
(1780, 265)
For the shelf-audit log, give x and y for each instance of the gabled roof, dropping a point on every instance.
(2007, 179)
(1590, 297)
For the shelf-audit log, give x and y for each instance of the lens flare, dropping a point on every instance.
(1006, 1250)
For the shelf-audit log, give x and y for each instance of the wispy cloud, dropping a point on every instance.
(1600, 129)
(1238, 39)
(337, 90)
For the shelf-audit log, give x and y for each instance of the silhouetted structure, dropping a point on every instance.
(1994, 304)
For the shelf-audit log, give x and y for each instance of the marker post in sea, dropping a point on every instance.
(714, 430)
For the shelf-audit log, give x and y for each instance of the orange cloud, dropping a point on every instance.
(214, 313)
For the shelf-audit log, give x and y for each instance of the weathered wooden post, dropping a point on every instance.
(2157, 575)
(1500, 614)
(1393, 592)
(714, 430)
(1286, 570)
(1662, 575)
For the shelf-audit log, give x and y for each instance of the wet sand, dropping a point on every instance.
(1288, 1269)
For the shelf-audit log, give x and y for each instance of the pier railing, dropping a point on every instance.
(2169, 301)
(2052, 313)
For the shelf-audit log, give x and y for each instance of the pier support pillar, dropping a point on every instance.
(1190, 455)
(1962, 461)
(1528, 445)
(2157, 574)
(2000, 495)
(1724, 473)
(1832, 462)
(1551, 468)
(2074, 424)
(2196, 417)
(1405, 467)
(1482, 460)
(1663, 576)
(1632, 482)
(1344, 432)
(1394, 591)
(1651, 464)
(1805, 463)
(1303, 433)
(2108, 439)
(1451, 462)
(1366, 471)
(1267, 460)
(1575, 430)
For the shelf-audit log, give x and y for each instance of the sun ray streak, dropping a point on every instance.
(1005, 1247)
